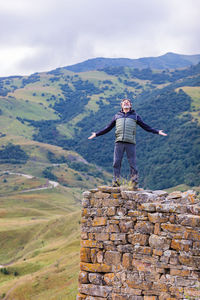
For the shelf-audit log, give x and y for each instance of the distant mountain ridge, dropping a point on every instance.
(167, 61)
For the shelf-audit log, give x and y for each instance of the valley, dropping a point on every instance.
(46, 160)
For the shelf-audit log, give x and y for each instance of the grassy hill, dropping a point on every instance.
(39, 233)
(62, 108)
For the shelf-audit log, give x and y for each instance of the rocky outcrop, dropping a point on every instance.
(139, 245)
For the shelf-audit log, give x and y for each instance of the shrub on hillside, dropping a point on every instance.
(13, 154)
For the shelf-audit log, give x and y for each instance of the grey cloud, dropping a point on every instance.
(64, 32)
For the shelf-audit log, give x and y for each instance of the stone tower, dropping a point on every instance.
(139, 245)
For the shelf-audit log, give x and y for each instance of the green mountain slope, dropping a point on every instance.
(62, 108)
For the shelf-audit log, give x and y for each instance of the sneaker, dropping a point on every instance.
(116, 183)
(135, 185)
(134, 181)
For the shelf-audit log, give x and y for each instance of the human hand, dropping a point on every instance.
(162, 133)
(92, 136)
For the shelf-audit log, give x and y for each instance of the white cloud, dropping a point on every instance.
(63, 32)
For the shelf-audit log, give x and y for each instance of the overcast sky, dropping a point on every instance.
(41, 35)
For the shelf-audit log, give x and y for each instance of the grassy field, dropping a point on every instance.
(40, 229)
(39, 234)
(194, 93)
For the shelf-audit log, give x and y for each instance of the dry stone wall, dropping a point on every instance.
(139, 245)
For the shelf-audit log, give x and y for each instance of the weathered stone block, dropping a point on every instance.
(127, 261)
(109, 246)
(196, 245)
(125, 248)
(99, 221)
(189, 220)
(186, 260)
(87, 194)
(121, 211)
(118, 237)
(157, 218)
(157, 229)
(83, 277)
(144, 227)
(112, 258)
(101, 195)
(85, 254)
(190, 196)
(181, 245)
(192, 292)
(111, 202)
(192, 234)
(85, 202)
(176, 272)
(93, 190)
(95, 202)
(109, 189)
(130, 291)
(173, 228)
(91, 236)
(141, 266)
(137, 213)
(160, 193)
(88, 243)
(95, 290)
(172, 218)
(147, 207)
(174, 195)
(115, 195)
(94, 298)
(102, 268)
(138, 284)
(102, 236)
(112, 228)
(177, 292)
(119, 297)
(100, 256)
(84, 235)
(111, 211)
(95, 278)
(171, 208)
(130, 204)
(157, 252)
(140, 239)
(159, 242)
(129, 195)
(160, 286)
(165, 296)
(142, 250)
(109, 278)
(93, 254)
(125, 226)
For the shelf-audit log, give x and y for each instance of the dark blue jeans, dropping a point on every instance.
(120, 148)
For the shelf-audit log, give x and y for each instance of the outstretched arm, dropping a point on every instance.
(148, 128)
(103, 131)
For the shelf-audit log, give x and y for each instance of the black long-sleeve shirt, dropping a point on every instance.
(123, 115)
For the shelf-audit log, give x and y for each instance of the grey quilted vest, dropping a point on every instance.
(126, 130)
